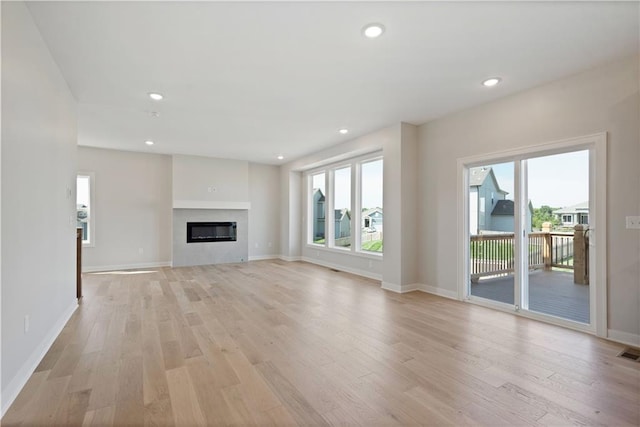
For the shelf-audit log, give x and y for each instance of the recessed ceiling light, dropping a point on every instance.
(149, 142)
(156, 96)
(344, 131)
(373, 30)
(280, 157)
(491, 81)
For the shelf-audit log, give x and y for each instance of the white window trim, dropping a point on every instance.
(597, 144)
(92, 214)
(329, 169)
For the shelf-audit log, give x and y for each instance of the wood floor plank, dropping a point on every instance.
(47, 403)
(72, 409)
(210, 394)
(159, 412)
(25, 400)
(274, 343)
(184, 401)
(102, 417)
(292, 399)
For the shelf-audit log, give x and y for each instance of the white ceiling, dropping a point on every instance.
(253, 80)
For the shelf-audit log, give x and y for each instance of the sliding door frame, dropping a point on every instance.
(597, 146)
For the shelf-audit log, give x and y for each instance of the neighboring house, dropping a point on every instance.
(572, 215)
(484, 193)
(502, 216)
(318, 215)
(342, 218)
(342, 223)
(82, 216)
(489, 209)
(372, 219)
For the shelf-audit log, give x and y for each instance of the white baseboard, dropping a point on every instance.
(438, 291)
(289, 258)
(94, 269)
(401, 289)
(624, 337)
(262, 257)
(14, 387)
(355, 271)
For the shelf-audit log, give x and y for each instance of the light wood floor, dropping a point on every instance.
(275, 343)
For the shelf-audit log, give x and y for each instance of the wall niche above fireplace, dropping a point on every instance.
(198, 232)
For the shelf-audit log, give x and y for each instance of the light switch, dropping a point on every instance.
(633, 222)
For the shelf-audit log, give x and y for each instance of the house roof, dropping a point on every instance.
(368, 212)
(341, 213)
(477, 177)
(503, 207)
(507, 208)
(321, 198)
(578, 208)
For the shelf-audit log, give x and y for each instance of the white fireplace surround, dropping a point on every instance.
(205, 253)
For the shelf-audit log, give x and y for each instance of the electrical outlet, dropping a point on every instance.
(140, 251)
(633, 222)
(212, 189)
(257, 245)
(26, 323)
(270, 244)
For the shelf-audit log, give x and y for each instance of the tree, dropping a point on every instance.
(543, 214)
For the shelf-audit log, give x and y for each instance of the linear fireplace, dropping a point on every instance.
(211, 232)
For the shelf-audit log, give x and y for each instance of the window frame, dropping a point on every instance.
(329, 169)
(91, 242)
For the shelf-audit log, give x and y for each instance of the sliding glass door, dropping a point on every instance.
(491, 232)
(528, 222)
(558, 188)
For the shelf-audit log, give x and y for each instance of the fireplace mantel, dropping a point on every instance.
(210, 204)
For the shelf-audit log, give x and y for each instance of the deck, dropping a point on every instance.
(550, 292)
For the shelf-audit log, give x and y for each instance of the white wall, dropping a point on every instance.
(207, 179)
(133, 203)
(38, 199)
(132, 209)
(602, 99)
(264, 215)
(410, 225)
(291, 213)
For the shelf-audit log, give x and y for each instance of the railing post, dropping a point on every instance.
(547, 245)
(580, 261)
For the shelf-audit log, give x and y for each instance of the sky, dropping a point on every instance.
(82, 191)
(558, 181)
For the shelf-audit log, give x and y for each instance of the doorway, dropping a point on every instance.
(530, 219)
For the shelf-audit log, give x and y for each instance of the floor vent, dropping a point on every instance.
(631, 354)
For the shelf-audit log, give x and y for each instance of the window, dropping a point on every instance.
(84, 205)
(567, 219)
(318, 200)
(342, 207)
(339, 220)
(372, 214)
